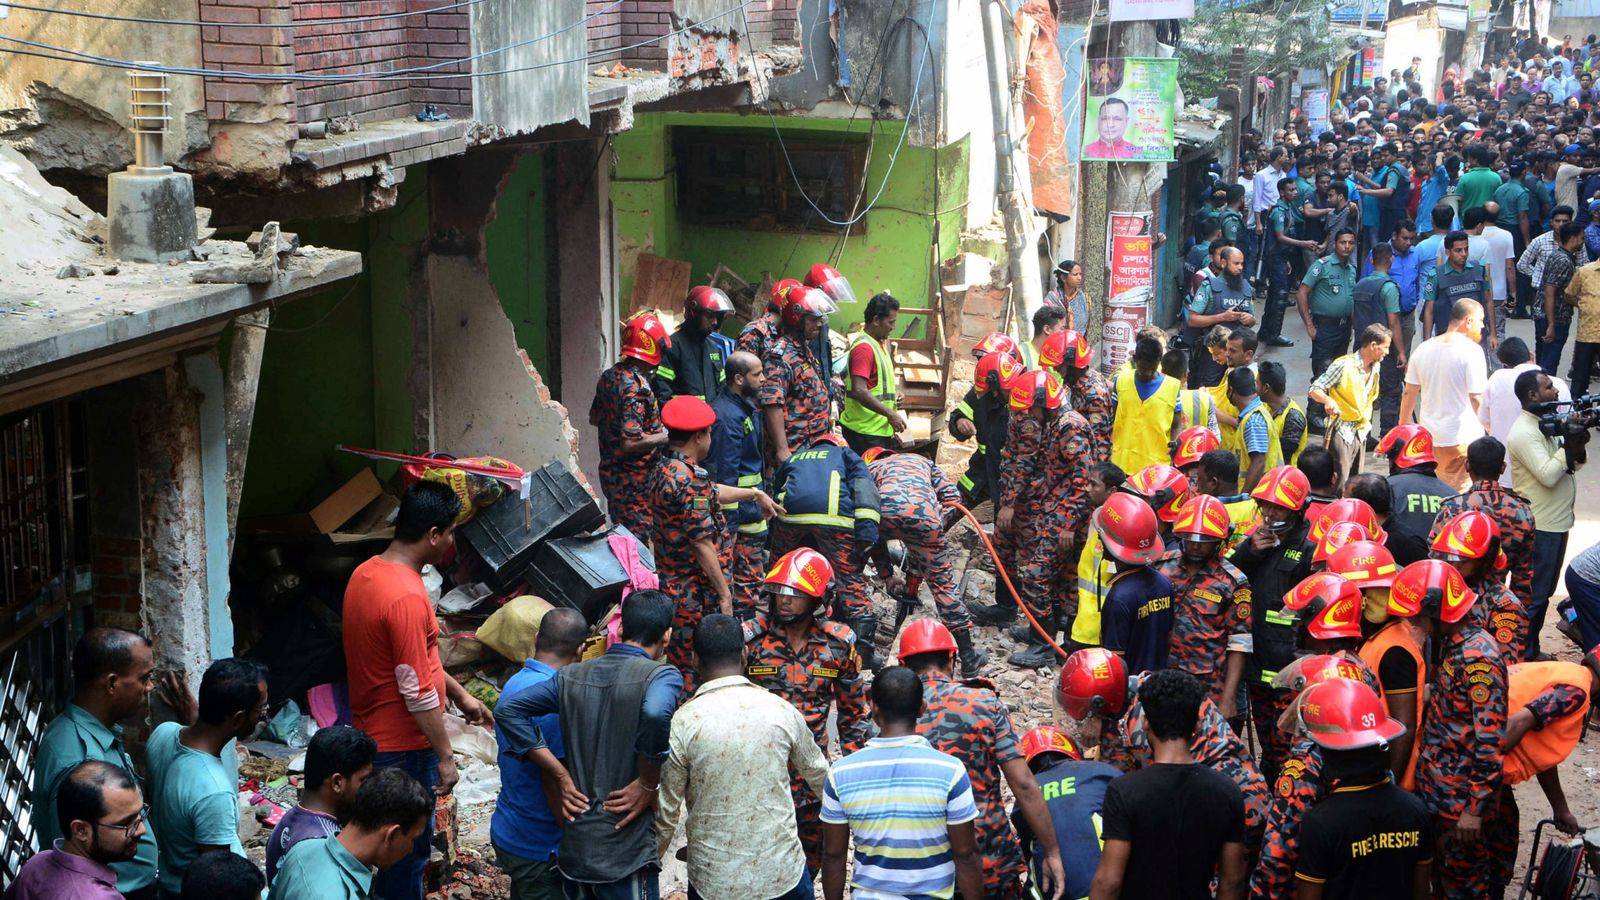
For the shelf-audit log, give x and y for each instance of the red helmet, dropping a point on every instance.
(1305, 671)
(926, 636)
(1094, 682)
(831, 282)
(1432, 588)
(1193, 442)
(1128, 530)
(1348, 509)
(1471, 535)
(1342, 714)
(779, 298)
(1163, 486)
(644, 338)
(874, 454)
(996, 371)
(707, 299)
(1034, 386)
(1065, 347)
(1048, 739)
(805, 302)
(1365, 563)
(1204, 518)
(803, 571)
(1329, 604)
(1337, 535)
(1284, 486)
(1411, 443)
(996, 342)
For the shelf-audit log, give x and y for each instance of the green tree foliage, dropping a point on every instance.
(1277, 37)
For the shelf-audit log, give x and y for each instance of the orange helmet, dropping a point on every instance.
(1192, 443)
(1365, 563)
(1048, 739)
(1411, 445)
(705, 298)
(1065, 347)
(831, 282)
(1203, 518)
(1348, 509)
(1128, 530)
(779, 298)
(996, 342)
(1035, 386)
(996, 371)
(1432, 588)
(1471, 535)
(644, 338)
(1305, 671)
(1329, 604)
(1165, 487)
(801, 572)
(1342, 714)
(805, 302)
(1284, 486)
(1337, 535)
(926, 636)
(1093, 682)
(874, 454)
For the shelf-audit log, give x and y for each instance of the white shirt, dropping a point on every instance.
(1499, 247)
(1264, 190)
(1446, 370)
(1567, 184)
(1500, 408)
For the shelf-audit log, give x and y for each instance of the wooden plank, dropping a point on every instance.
(659, 283)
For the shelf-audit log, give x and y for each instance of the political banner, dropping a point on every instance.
(1122, 325)
(1130, 259)
(1129, 112)
(1314, 105)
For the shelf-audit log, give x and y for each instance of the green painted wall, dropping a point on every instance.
(517, 248)
(893, 254)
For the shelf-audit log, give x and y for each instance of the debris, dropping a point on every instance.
(431, 113)
(343, 125)
(615, 70)
(198, 254)
(74, 270)
(111, 270)
(271, 240)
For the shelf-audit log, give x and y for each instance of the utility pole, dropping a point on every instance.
(1016, 205)
(1125, 181)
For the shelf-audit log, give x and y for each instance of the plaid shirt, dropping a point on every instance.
(1559, 267)
(1538, 254)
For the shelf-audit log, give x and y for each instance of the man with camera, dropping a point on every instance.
(1547, 446)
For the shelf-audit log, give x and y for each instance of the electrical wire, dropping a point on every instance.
(76, 56)
(350, 20)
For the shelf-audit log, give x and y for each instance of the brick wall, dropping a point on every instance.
(116, 566)
(641, 21)
(378, 46)
(227, 46)
(604, 30)
(774, 22)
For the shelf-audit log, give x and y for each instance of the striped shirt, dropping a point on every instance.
(899, 796)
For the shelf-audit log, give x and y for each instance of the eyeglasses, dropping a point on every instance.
(127, 830)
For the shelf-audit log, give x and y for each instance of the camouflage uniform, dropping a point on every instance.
(912, 496)
(1091, 398)
(683, 504)
(793, 380)
(1502, 615)
(758, 334)
(1298, 788)
(1048, 482)
(625, 408)
(1512, 513)
(1458, 769)
(968, 721)
(825, 672)
(1213, 610)
(1023, 436)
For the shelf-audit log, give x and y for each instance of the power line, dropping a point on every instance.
(351, 20)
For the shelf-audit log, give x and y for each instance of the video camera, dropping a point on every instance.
(1568, 418)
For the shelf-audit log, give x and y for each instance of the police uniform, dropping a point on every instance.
(1050, 492)
(1272, 574)
(793, 380)
(1141, 432)
(1512, 513)
(829, 500)
(1214, 297)
(1414, 502)
(968, 721)
(824, 672)
(737, 458)
(912, 496)
(1092, 399)
(1459, 768)
(625, 408)
(1330, 285)
(693, 364)
(683, 505)
(1450, 284)
(1212, 617)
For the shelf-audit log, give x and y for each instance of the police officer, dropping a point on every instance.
(1090, 393)
(1326, 300)
(693, 544)
(1459, 765)
(736, 459)
(760, 331)
(694, 360)
(831, 505)
(1471, 543)
(871, 415)
(627, 415)
(913, 495)
(1415, 492)
(1283, 237)
(793, 652)
(796, 407)
(1457, 278)
(1211, 636)
(969, 721)
(1275, 557)
(1223, 298)
(1074, 789)
(1512, 515)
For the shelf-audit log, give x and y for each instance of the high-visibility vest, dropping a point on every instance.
(1198, 404)
(1541, 750)
(1355, 393)
(1274, 452)
(1275, 428)
(1141, 433)
(1397, 634)
(1219, 394)
(1095, 571)
(1030, 355)
(859, 418)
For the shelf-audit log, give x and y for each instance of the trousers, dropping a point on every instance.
(403, 880)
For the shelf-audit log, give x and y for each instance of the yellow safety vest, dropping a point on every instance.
(1275, 429)
(1241, 513)
(1095, 572)
(1355, 393)
(1141, 433)
(1198, 404)
(1219, 394)
(1030, 355)
(859, 418)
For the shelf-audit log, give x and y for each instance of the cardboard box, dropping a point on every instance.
(360, 503)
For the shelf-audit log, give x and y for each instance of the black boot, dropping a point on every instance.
(1022, 632)
(1039, 653)
(866, 629)
(972, 659)
(998, 614)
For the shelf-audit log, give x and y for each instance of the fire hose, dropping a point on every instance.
(1005, 576)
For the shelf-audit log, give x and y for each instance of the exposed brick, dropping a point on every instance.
(230, 53)
(212, 13)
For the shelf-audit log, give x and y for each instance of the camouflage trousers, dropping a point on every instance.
(628, 505)
(1267, 705)
(928, 555)
(1037, 569)
(691, 602)
(746, 572)
(1482, 869)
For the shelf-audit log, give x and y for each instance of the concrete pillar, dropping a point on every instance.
(239, 402)
(586, 297)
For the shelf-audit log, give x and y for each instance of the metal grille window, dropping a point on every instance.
(738, 180)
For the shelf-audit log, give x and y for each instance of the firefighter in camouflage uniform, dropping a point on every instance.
(760, 331)
(628, 418)
(1511, 512)
(1471, 543)
(792, 651)
(1210, 636)
(796, 406)
(1069, 355)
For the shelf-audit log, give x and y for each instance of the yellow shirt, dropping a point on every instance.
(1583, 291)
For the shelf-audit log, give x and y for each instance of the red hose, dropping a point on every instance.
(1005, 576)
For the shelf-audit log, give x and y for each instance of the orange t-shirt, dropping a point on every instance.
(391, 653)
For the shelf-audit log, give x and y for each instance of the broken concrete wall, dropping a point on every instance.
(896, 58)
(520, 102)
(587, 277)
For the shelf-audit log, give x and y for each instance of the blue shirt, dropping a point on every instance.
(1074, 792)
(1256, 434)
(1433, 192)
(515, 713)
(298, 824)
(193, 803)
(736, 458)
(322, 870)
(1591, 239)
(1427, 251)
(1137, 618)
(522, 823)
(1370, 204)
(1404, 272)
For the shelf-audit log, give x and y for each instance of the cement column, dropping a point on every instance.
(239, 402)
(1125, 181)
